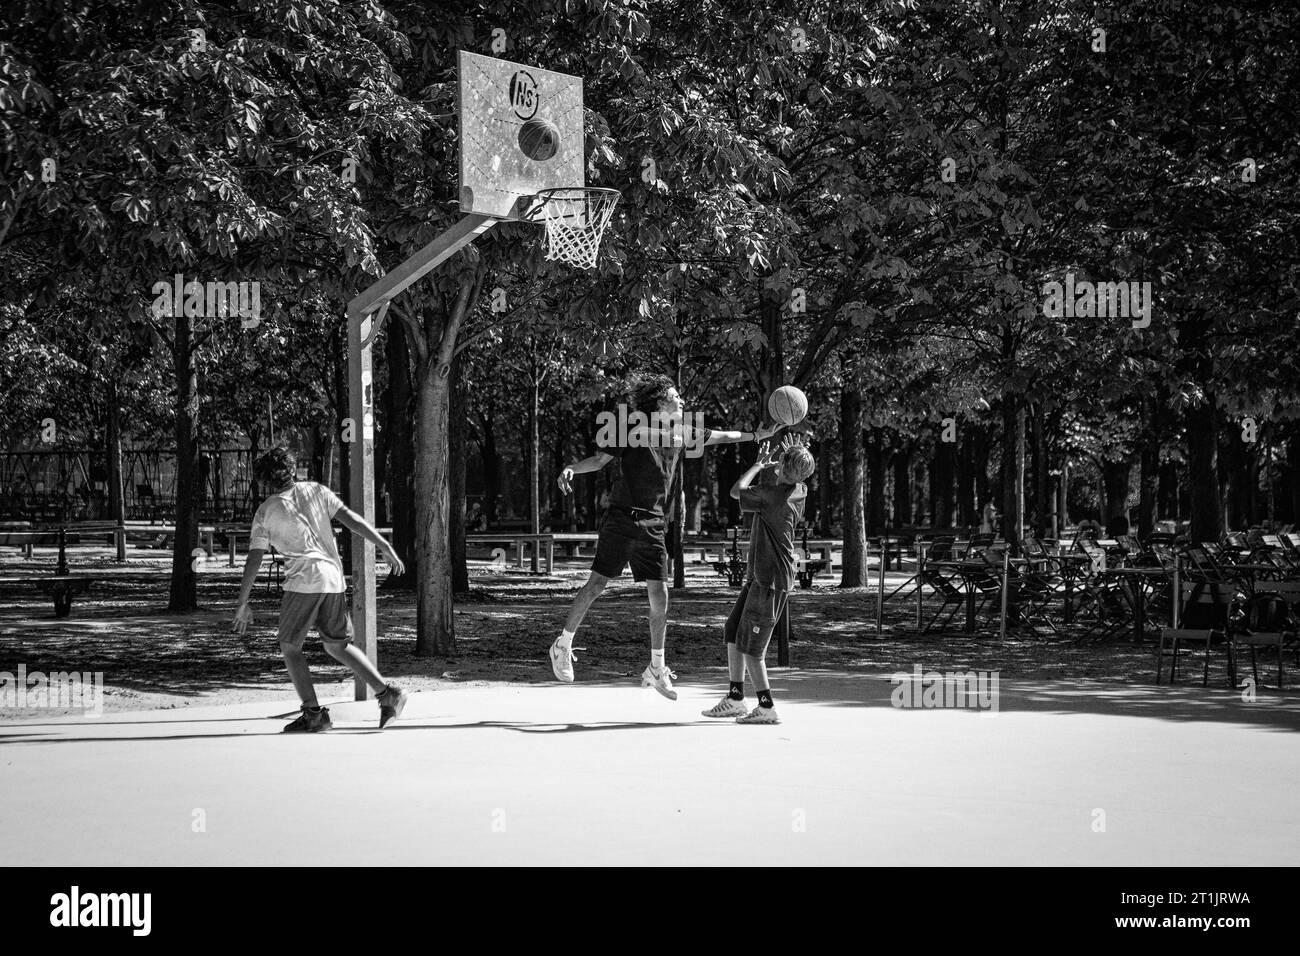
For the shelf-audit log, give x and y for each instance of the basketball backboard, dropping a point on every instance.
(505, 107)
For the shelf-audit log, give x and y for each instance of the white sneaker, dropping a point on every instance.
(562, 659)
(662, 681)
(760, 715)
(726, 708)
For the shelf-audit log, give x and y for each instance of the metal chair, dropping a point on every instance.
(1205, 620)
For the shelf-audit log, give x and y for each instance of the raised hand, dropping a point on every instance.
(565, 481)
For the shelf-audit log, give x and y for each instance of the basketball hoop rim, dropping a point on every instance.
(544, 197)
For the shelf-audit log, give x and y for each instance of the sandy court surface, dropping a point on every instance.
(1066, 772)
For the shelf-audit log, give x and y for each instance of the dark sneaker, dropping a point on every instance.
(391, 702)
(310, 722)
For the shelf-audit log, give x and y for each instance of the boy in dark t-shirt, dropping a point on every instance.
(777, 508)
(632, 530)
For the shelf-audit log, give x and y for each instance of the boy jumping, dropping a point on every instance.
(295, 520)
(632, 529)
(777, 509)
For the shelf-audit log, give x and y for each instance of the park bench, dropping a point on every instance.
(62, 585)
(518, 542)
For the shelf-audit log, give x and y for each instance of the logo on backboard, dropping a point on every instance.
(523, 95)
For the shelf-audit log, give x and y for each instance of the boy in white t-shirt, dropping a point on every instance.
(295, 520)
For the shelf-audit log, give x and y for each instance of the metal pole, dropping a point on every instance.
(920, 568)
(880, 597)
(362, 463)
(1006, 566)
(1178, 574)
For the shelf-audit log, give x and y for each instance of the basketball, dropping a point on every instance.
(787, 405)
(539, 139)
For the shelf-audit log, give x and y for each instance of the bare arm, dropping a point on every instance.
(767, 459)
(763, 433)
(360, 526)
(243, 616)
(592, 463)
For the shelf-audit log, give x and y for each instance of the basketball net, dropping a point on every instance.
(575, 219)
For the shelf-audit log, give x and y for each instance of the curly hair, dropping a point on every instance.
(648, 391)
(276, 467)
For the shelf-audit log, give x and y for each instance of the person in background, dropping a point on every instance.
(989, 518)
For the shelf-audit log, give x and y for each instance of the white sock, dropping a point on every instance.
(657, 659)
(566, 639)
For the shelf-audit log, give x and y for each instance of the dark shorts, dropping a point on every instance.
(624, 541)
(756, 613)
(328, 613)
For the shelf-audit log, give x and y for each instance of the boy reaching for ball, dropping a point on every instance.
(632, 528)
(295, 520)
(777, 507)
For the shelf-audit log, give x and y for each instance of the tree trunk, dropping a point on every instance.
(825, 489)
(317, 461)
(903, 486)
(1042, 483)
(183, 597)
(1013, 469)
(981, 445)
(1114, 481)
(1167, 492)
(854, 573)
(942, 467)
(435, 632)
(875, 490)
(491, 464)
(456, 452)
(1148, 470)
(1202, 425)
(966, 507)
(400, 444)
(728, 472)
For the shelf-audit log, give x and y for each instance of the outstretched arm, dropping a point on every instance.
(593, 463)
(762, 433)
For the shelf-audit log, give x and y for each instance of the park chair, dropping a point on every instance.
(1131, 548)
(950, 585)
(1205, 620)
(1030, 590)
(979, 543)
(1271, 618)
(1042, 561)
(1200, 565)
(1104, 595)
(275, 573)
(952, 595)
(1268, 549)
(1235, 547)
